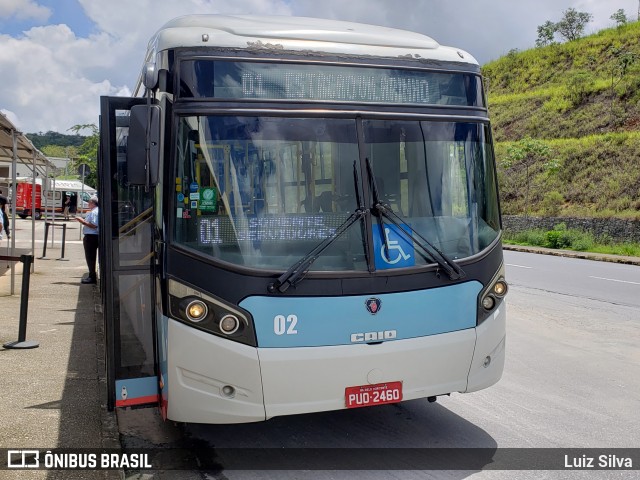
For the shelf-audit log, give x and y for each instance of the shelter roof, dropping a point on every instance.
(25, 149)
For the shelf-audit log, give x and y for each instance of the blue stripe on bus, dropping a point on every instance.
(136, 390)
(322, 321)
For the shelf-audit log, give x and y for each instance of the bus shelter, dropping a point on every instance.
(17, 152)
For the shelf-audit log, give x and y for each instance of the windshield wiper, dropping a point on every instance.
(299, 269)
(384, 210)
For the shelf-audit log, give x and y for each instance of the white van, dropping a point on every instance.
(57, 192)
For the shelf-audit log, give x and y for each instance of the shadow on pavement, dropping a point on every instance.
(413, 435)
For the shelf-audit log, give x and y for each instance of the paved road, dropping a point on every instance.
(572, 379)
(608, 282)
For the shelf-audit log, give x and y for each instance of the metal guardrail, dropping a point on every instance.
(48, 225)
(22, 342)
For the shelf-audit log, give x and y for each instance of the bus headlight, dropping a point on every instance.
(229, 324)
(492, 295)
(196, 311)
(210, 314)
(500, 288)
(488, 302)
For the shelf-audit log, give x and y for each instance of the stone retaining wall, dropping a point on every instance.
(619, 230)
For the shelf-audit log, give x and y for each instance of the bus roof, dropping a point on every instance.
(300, 34)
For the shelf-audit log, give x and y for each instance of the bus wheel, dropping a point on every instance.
(38, 215)
(22, 215)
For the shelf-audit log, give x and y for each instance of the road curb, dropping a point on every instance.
(599, 257)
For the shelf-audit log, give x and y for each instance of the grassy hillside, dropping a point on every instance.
(578, 104)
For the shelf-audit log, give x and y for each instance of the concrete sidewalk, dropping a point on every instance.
(53, 396)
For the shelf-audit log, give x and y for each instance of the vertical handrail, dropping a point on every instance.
(46, 236)
(64, 236)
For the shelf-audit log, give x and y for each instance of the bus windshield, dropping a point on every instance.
(260, 192)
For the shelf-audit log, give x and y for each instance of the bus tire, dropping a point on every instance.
(38, 215)
(22, 215)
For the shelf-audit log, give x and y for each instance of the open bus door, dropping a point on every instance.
(126, 264)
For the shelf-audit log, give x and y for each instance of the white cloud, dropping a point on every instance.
(44, 80)
(132, 30)
(144, 17)
(51, 79)
(23, 9)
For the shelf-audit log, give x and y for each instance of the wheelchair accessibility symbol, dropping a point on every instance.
(400, 251)
(395, 250)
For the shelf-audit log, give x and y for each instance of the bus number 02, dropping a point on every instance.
(282, 325)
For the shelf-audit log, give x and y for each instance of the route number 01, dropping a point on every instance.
(282, 325)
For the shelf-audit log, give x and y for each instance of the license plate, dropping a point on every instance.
(368, 395)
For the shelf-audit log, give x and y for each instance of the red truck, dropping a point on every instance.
(24, 199)
(53, 197)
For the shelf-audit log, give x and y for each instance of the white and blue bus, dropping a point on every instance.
(298, 215)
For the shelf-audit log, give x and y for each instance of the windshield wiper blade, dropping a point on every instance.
(447, 264)
(299, 269)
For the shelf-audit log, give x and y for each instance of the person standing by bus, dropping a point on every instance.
(90, 239)
(4, 214)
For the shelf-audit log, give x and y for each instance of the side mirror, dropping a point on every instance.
(143, 145)
(150, 75)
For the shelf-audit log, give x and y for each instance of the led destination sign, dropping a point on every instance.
(385, 88)
(220, 230)
(270, 81)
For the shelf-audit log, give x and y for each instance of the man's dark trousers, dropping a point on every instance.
(90, 243)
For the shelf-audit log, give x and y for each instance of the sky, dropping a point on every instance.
(57, 57)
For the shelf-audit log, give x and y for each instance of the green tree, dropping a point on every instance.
(41, 140)
(88, 152)
(546, 33)
(619, 17)
(54, 151)
(572, 24)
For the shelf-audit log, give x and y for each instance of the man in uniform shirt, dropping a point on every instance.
(90, 240)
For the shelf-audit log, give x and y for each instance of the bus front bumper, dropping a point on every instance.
(213, 380)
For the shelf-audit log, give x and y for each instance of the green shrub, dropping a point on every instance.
(582, 242)
(579, 85)
(572, 239)
(535, 237)
(558, 239)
